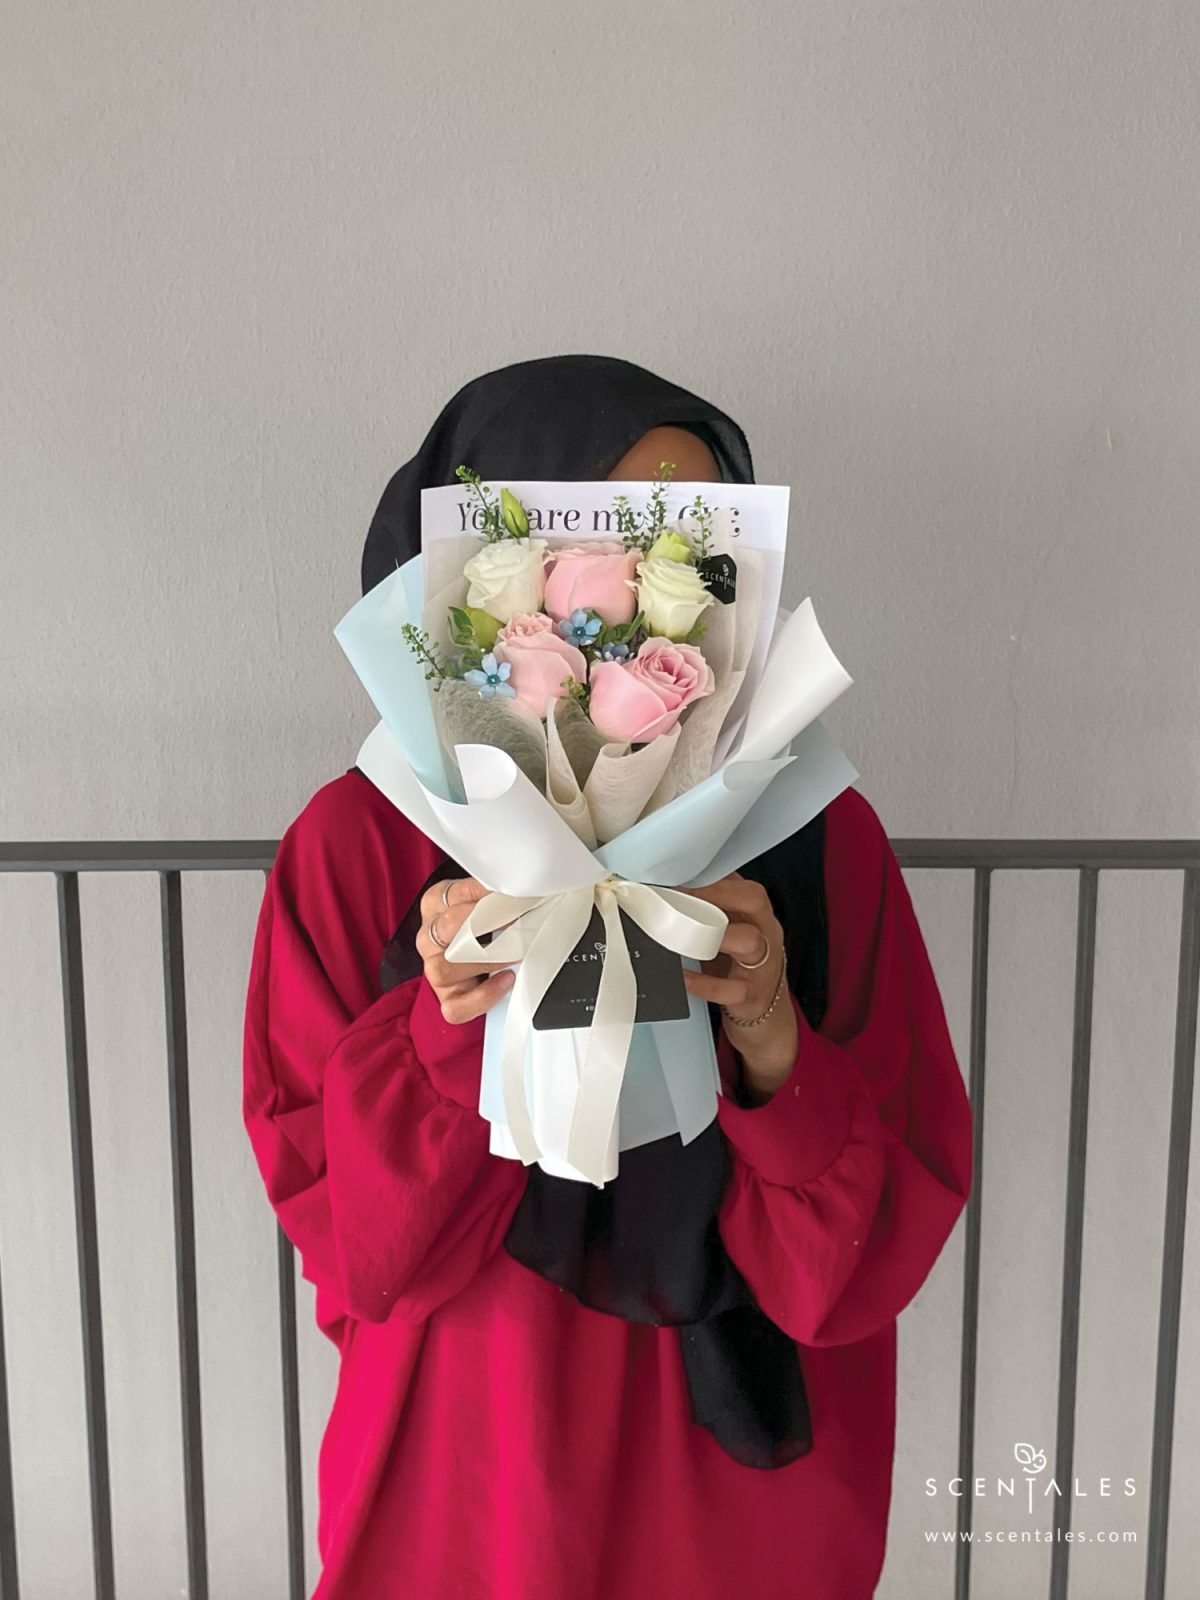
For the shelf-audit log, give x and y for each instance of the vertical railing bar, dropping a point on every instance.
(79, 1110)
(171, 904)
(1179, 1145)
(9, 1586)
(976, 1062)
(1072, 1272)
(290, 1370)
(83, 1173)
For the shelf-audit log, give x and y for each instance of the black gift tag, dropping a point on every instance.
(570, 1001)
(720, 574)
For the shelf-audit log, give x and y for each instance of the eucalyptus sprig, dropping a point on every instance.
(505, 518)
(701, 514)
(656, 508)
(639, 530)
(627, 519)
(427, 653)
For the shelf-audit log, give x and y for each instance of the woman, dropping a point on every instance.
(683, 1383)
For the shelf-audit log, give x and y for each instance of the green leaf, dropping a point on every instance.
(484, 627)
(470, 626)
(461, 631)
(625, 631)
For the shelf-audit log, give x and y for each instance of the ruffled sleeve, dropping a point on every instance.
(846, 1183)
(362, 1108)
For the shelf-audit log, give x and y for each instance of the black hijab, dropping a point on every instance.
(646, 1246)
(557, 418)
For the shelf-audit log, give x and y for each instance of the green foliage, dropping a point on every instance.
(702, 515)
(427, 653)
(461, 631)
(627, 519)
(639, 530)
(656, 506)
(502, 519)
(579, 692)
(472, 628)
(621, 633)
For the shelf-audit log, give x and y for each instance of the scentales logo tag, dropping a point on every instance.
(1029, 1485)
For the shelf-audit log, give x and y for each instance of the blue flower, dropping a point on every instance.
(614, 652)
(579, 629)
(491, 680)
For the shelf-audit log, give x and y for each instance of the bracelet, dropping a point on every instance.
(753, 1022)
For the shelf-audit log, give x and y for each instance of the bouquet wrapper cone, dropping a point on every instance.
(572, 1099)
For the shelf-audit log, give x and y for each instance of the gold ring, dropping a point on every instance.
(753, 966)
(433, 934)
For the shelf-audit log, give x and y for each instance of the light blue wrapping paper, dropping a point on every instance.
(671, 1079)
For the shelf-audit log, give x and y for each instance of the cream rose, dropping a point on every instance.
(671, 594)
(507, 577)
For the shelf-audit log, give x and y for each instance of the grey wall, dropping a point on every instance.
(940, 261)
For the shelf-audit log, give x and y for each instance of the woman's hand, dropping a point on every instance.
(464, 989)
(744, 979)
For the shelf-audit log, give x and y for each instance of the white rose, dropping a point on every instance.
(672, 595)
(507, 577)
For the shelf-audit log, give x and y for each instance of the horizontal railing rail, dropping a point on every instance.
(169, 859)
(223, 855)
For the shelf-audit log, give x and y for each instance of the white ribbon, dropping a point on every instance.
(538, 935)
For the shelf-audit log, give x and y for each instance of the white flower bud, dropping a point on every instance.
(672, 595)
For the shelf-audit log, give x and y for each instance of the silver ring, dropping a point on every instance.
(446, 892)
(433, 934)
(753, 966)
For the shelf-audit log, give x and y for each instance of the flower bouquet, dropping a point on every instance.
(591, 701)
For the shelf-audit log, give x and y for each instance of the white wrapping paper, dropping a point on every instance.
(572, 1099)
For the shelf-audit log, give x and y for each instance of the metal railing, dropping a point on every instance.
(982, 857)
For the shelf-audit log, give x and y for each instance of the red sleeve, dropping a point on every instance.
(362, 1108)
(847, 1182)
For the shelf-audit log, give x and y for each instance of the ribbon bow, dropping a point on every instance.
(538, 935)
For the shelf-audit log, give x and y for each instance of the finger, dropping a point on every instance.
(719, 991)
(465, 891)
(452, 917)
(427, 947)
(746, 941)
(452, 991)
(447, 920)
(736, 894)
(480, 997)
(443, 974)
(449, 892)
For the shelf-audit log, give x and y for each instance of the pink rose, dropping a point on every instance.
(635, 702)
(593, 577)
(540, 658)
